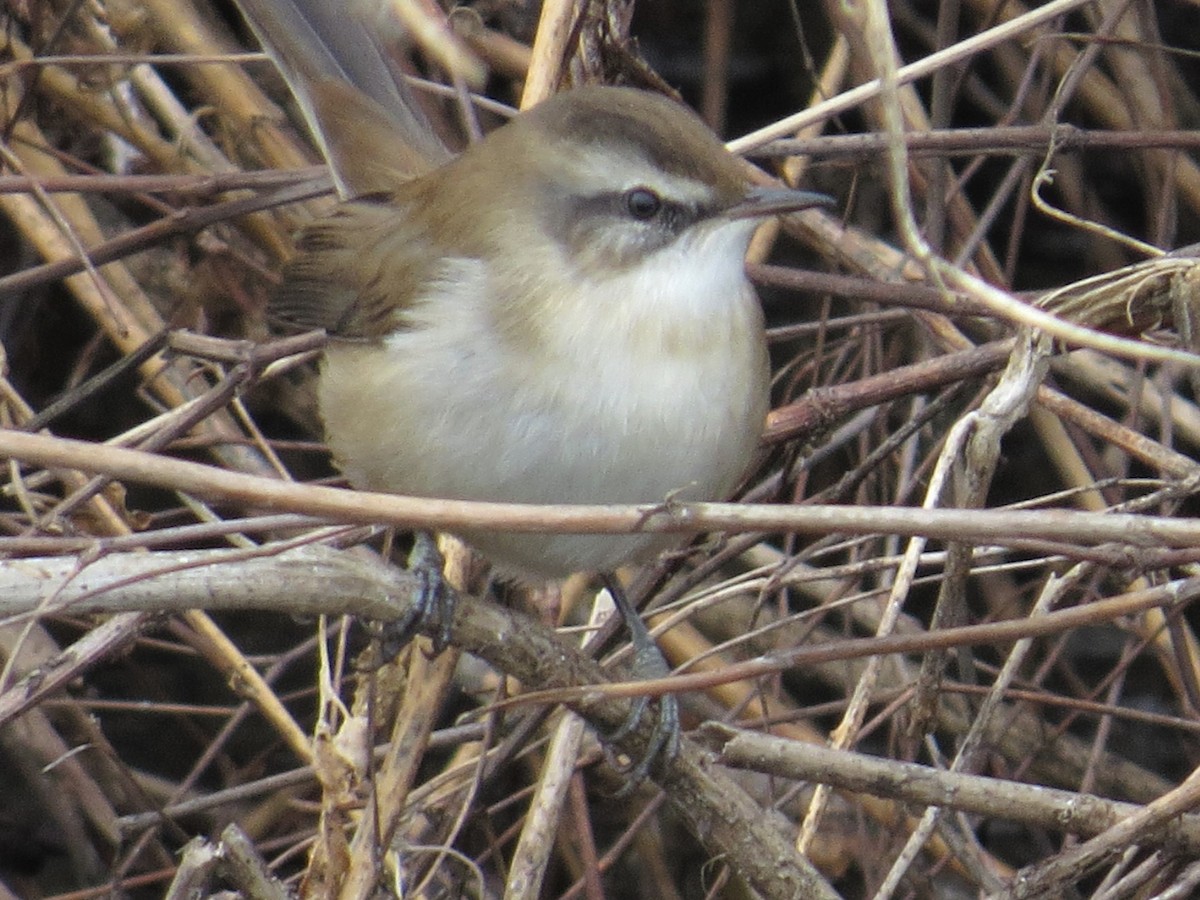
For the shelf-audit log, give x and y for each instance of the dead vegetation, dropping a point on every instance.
(969, 545)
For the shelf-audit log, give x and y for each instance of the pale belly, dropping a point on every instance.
(602, 431)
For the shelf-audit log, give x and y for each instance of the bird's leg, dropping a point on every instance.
(648, 662)
(433, 606)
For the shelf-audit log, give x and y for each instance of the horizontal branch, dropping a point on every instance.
(1032, 140)
(996, 798)
(302, 581)
(1014, 527)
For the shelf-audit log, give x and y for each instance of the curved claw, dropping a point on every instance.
(623, 730)
(663, 745)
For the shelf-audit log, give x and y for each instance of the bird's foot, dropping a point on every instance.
(433, 607)
(648, 662)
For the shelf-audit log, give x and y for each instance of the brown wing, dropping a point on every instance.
(355, 273)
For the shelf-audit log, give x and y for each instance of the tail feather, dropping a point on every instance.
(354, 100)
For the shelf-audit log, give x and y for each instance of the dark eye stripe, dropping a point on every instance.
(640, 204)
(620, 227)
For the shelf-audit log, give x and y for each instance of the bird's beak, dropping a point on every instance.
(767, 201)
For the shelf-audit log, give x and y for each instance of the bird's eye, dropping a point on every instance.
(642, 203)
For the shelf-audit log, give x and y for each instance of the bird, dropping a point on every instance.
(559, 314)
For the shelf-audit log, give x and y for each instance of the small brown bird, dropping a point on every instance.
(558, 315)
